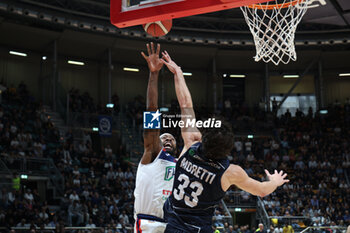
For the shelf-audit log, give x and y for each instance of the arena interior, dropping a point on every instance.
(64, 66)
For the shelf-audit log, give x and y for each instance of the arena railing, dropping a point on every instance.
(130, 136)
(228, 216)
(262, 213)
(5, 176)
(292, 220)
(347, 176)
(237, 199)
(35, 167)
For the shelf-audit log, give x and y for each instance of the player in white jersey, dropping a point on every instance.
(154, 178)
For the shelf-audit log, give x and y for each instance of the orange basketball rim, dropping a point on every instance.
(275, 6)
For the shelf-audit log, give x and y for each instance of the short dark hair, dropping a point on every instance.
(217, 142)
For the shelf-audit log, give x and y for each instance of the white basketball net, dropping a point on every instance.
(274, 30)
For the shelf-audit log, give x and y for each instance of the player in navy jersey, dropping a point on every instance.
(203, 173)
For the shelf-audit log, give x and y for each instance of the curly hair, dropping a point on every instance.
(218, 142)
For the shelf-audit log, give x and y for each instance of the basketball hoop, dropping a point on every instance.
(273, 25)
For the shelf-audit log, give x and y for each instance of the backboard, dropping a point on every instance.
(126, 13)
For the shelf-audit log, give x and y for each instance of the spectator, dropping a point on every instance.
(238, 146)
(315, 202)
(230, 229)
(74, 210)
(90, 224)
(218, 219)
(108, 151)
(250, 157)
(28, 196)
(16, 181)
(261, 229)
(124, 217)
(74, 196)
(43, 215)
(288, 228)
(23, 223)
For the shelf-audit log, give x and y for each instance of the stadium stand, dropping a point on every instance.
(99, 183)
(98, 186)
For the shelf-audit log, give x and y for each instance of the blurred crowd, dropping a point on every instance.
(313, 149)
(83, 103)
(99, 184)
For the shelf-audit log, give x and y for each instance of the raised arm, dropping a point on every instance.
(190, 135)
(151, 136)
(235, 175)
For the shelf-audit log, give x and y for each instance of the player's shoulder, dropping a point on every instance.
(165, 156)
(234, 172)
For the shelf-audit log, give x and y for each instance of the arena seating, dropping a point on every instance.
(99, 184)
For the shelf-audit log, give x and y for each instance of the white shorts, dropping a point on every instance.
(149, 226)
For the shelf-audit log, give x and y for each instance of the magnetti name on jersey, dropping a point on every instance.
(197, 171)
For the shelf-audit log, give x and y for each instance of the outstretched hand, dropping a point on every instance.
(172, 66)
(277, 177)
(154, 62)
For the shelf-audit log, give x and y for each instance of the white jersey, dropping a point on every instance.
(154, 183)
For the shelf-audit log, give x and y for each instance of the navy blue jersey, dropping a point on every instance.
(196, 192)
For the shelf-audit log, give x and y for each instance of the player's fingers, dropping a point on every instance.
(276, 172)
(144, 55)
(167, 54)
(286, 181)
(281, 172)
(158, 49)
(267, 172)
(284, 176)
(165, 57)
(152, 47)
(163, 61)
(148, 49)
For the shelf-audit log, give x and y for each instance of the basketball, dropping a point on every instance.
(158, 28)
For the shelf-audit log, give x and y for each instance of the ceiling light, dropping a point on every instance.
(291, 76)
(187, 74)
(344, 75)
(78, 63)
(164, 109)
(131, 69)
(18, 53)
(237, 75)
(44, 58)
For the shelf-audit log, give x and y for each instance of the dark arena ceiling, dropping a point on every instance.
(331, 18)
(34, 24)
